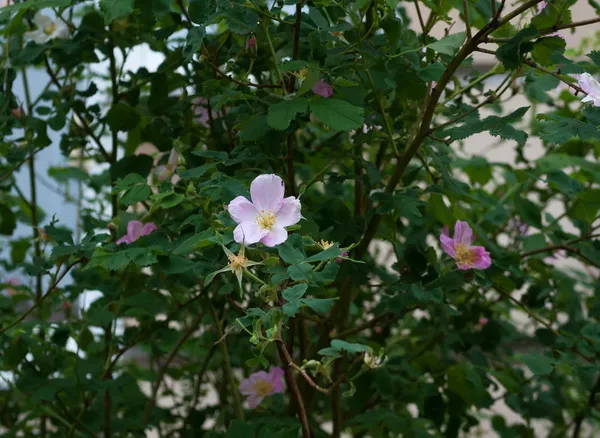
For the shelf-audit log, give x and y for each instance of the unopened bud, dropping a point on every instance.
(18, 113)
(43, 235)
(252, 46)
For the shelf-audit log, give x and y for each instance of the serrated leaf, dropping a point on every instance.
(113, 9)
(337, 114)
(312, 77)
(193, 42)
(449, 45)
(319, 305)
(281, 114)
(294, 293)
(511, 53)
(497, 126)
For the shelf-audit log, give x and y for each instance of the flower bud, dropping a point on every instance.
(18, 113)
(252, 46)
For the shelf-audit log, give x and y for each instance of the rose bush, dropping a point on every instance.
(262, 240)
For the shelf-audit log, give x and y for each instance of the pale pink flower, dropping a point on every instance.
(323, 89)
(164, 171)
(562, 86)
(261, 384)
(265, 218)
(135, 230)
(591, 88)
(200, 111)
(460, 248)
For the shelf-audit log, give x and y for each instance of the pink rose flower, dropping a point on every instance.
(460, 248)
(542, 5)
(135, 230)
(263, 219)
(260, 385)
(323, 89)
(591, 88)
(481, 323)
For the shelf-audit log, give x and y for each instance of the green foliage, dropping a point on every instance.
(138, 312)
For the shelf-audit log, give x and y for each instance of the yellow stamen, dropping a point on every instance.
(325, 244)
(49, 30)
(465, 255)
(262, 388)
(266, 220)
(237, 262)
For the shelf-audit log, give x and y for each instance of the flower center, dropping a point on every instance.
(326, 244)
(237, 262)
(266, 220)
(49, 30)
(263, 388)
(464, 255)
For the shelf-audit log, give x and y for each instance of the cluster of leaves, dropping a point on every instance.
(166, 328)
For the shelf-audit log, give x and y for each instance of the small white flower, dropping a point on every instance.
(47, 29)
(591, 87)
(372, 361)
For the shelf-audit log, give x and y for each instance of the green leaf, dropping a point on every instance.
(122, 117)
(538, 364)
(337, 114)
(312, 77)
(544, 48)
(450, 44)
(193, 42)
(202, 240)
(330, 253)
(319, 305)
(281, 114)
(8, 220)
(292, 250)
(294, 293)
(497, 126)
(200, 10)
(339, 345)
(168, 199)
(327, 274)
(293, 65)
(529, 212)
(558, 129)
(113, 9)
(511, 53)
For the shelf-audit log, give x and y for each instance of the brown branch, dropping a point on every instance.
(165, 366)
(245, 84)
(467, 18)
(420, 16)
(547, 30)
(590, 404)
(286, 360)
(556, 75)
(370, 324)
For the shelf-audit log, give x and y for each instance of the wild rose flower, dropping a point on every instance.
(47, 29)
(323, 89)
(460, 248)
(591, 88)
(260, 385)
(542, 5)
(481, 323)
(135, 230)
(263, 219)
(164, 171)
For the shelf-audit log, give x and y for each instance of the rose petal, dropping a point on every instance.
(246, 387)
(242, 210)
(462, 233)
(254, 401)
(123, 239)
(289, 213)
(148, 228)
(248, 233)
(592, 88)
(134, 230)
(483, 259)
(276, 377)
(267, 192)
(448, 245)
(275, 236)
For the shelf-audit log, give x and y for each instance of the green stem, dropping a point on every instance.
(249, 275)
(471, 84)
(237, 402)
(272, 49)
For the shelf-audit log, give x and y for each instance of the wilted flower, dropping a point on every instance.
(237, 264)
(47, 29)
(372, 361)
(323, 89)
(261, 384)
(263, 219)
(164, 171)
(591, 88)
(135, 230)
(460, 248)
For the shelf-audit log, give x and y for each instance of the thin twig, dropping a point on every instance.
(421, 22)
(467, 18)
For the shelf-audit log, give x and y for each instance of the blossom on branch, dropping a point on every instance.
(591, 87)
(47, 29)
(135, 230)
(323, 89)
(265, 218)
(460, 248)
(261, 384)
